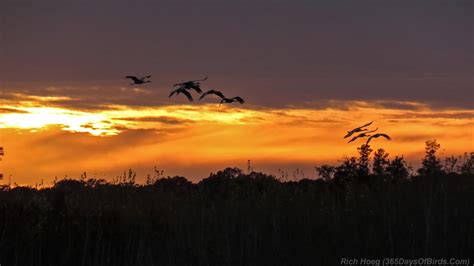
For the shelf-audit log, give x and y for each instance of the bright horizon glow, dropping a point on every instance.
(45, 140)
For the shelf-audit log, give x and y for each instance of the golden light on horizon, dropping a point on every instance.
(190, 139)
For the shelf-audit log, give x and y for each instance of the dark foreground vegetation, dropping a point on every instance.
(362, 208)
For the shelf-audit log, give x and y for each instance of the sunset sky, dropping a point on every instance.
(308, 70)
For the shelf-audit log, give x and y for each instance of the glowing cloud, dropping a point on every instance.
(192, 140)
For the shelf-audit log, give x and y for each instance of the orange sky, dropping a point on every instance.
(308, 70)
(43, 140)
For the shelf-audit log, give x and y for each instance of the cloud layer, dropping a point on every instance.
(44, 138)
(273, 52)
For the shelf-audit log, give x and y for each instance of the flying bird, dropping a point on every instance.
(183, 91)
(192, 84)
(218, 93)
(223, 98)
(357, 129)
(362, 135)
(376, 136)
(138, 81)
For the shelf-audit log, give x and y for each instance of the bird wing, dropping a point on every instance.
(188, 95)
(146, 77)
(203, 95)
(370, 138)
(205, 78)
(173, 92)
(349, 133)
(378, 135)
(354, 138)
(361, 135)
(196, 88)
(182, 87)
(135, 79)
(218, 93)
(371, 131)
(191, 81)
(357, 129)
(366, 125)
(239, 99)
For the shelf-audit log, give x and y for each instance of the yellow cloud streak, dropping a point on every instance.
(190, 136)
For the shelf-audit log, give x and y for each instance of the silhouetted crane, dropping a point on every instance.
(376, 136)
(223, 98)
(183, 91)
(192, 84)
(362, 135)
(357, 129)
(138, 81)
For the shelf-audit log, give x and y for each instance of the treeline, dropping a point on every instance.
(370, 206)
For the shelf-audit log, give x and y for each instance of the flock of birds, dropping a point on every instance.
(365, 134)
(185, 87)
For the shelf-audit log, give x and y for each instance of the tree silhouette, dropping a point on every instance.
(450, 164)
(326, 171)
(381, 162)
(237, 218)
(397, 169)
(347, 171)
(430, 163)
(363, 160)
(467, 166)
